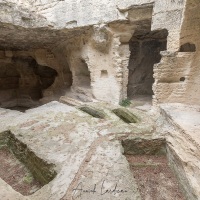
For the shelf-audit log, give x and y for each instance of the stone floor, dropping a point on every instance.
(154, 177)
(87, 151)
(84, 149)
(182, 130)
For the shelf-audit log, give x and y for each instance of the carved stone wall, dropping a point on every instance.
(177, 75)
(89, 48)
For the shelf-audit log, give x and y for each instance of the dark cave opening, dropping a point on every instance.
(22, 81)
(145, 50)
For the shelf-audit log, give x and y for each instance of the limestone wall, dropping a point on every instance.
(169, 15)
(105, 59)
(190, 34)
(96, 34)
(170, 77)
(177, 75)
(67, 13)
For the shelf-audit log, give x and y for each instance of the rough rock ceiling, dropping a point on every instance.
(23, 29)
(19, 38)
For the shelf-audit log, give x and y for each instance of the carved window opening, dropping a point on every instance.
(187, 47)
(104, 74)
(182, 79)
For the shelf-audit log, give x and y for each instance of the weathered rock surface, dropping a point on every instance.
(100, 51)
(181, 130)
(84, 149)
(88, 152)
(87, 44)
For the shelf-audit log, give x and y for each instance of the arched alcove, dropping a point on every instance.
(83, 74)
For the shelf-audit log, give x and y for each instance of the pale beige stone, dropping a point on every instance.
(101, 53)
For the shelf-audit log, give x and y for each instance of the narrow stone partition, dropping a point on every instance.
(149, 165)
(24, 171)
(126, 115)
(93, 111)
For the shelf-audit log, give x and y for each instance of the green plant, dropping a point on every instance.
(28, 178)
(125, 103)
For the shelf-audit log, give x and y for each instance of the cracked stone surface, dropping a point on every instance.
(87, 152)
(87, 43)
(181, 129)
(84, 149)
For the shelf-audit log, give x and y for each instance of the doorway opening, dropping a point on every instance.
(145, 50)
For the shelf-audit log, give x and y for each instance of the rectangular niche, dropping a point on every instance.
(148, 161)
(104, 74)
(24, 171)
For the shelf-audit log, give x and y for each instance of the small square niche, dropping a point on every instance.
(104, 73)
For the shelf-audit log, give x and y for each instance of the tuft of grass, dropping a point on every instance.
(28, 178)
(125, 103)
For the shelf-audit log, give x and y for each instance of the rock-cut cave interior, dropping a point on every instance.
(99, 100)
